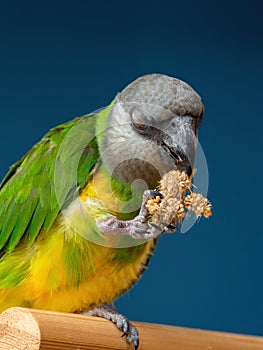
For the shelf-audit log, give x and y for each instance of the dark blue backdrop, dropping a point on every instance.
(65, 58)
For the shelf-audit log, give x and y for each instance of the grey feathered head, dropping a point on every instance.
(161, 90)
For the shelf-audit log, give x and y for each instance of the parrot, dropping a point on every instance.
(75, 231)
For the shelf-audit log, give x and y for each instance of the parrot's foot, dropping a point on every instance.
(144, 212)
(137, 228)
(122, 323)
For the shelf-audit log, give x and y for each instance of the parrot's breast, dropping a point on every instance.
(65, 271)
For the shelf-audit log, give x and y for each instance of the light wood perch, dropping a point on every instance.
(30, 329)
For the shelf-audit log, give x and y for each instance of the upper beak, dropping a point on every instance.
(180, 142)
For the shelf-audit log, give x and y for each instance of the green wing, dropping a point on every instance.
(48, 177)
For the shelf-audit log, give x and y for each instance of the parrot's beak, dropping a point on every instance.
(180, 142)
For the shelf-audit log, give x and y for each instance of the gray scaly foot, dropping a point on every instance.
(122, 323)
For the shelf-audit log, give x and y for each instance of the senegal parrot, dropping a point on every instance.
(75, 232)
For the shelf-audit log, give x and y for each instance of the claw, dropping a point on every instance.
(168, 226)
(129, 331)
(151, 225)
(155, 194)
(171, 227)
(157, 227)
(140, 231)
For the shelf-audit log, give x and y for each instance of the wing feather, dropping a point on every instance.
(28, 199)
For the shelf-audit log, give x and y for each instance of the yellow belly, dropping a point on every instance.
(63, 271)
(54, 282)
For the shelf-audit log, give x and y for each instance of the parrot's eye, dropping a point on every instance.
(138, 121)
(141, 128)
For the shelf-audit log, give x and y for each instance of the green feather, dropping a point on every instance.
(23, 218)
(32, 195)
(9, 223)
(37, 222)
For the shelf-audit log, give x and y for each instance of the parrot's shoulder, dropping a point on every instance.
(29, 192)
(47, 142)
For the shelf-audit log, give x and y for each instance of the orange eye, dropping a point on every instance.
(138, 121)
(141, 128)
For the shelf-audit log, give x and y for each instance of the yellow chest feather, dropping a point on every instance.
(65, 272)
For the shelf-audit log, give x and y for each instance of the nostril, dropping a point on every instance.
(173, 125)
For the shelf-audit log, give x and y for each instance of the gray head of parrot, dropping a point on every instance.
(167, 112)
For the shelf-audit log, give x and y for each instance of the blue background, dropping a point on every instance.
(60, 59)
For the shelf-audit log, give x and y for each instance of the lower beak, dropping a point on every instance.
(181, 144)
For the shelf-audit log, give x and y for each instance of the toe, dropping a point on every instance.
(133, 336)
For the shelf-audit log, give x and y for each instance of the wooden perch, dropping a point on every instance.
(30, 329)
